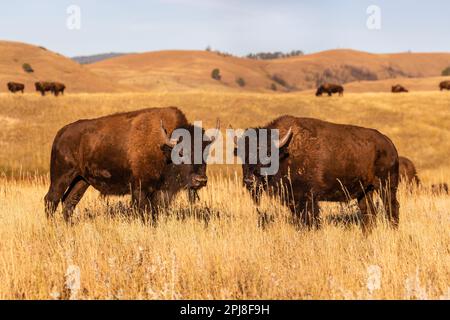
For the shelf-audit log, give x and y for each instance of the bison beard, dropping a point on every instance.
(321, 161)
(122, 154)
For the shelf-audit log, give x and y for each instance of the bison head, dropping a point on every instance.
(319, 91)
(186, 163)
(259, 156)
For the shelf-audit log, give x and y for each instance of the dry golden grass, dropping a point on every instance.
(230, 256)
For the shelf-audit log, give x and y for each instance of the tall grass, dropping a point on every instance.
(216, 249)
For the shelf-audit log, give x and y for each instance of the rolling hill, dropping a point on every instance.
(47, 66)
(169, 71)
(184, 70)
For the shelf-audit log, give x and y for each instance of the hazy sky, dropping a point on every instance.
(236, 26)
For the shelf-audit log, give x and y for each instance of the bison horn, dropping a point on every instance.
(285, 139)
(169, 142)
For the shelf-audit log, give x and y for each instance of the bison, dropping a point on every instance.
(398, 89)
(58, 88)
(16, 87)
(44, 87)
(330, 89)
(125, 153)
(322, 161)
(444, 85)
(408, 171)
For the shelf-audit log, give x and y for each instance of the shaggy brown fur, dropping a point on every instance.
(322, 161)
(408, 171)
(121, 154)
(398, 89)
(16, 87)
(330, 88)
(444, 85)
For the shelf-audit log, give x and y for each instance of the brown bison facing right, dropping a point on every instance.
(122, 154)
(408, 171)
(398, 89)
(16, 87)
(444, 85)
(58, 88)
(330, 88)
(322, 161)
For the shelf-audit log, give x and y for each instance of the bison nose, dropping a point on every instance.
(199, 181)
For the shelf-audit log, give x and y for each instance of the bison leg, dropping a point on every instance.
(306, 213)
(368, 211)
(56, 191)
(73, 197)
(391, 204)
(311, 214)
(141, 201)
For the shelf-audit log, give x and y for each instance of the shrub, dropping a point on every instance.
(215, 74)
(273, 87)
(240, 81)
(446, 72)
(27, 68)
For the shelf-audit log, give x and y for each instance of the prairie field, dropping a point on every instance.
(217, 248)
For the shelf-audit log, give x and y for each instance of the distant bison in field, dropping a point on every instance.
(398, 89)
(408, 171)
(322, 161)
(58, 88)
(125, 153)
(444, 85)
(16, 87)
(330, 89)
(44, 87)
(441, 188)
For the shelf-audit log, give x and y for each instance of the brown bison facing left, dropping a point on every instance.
(322, 161)
(122, 154)
(16, 87)
(408, 171)
(329, 89)
(398, 89)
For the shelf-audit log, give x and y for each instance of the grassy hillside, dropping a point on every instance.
(184, 70)
(47, 66)
(172, 71)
